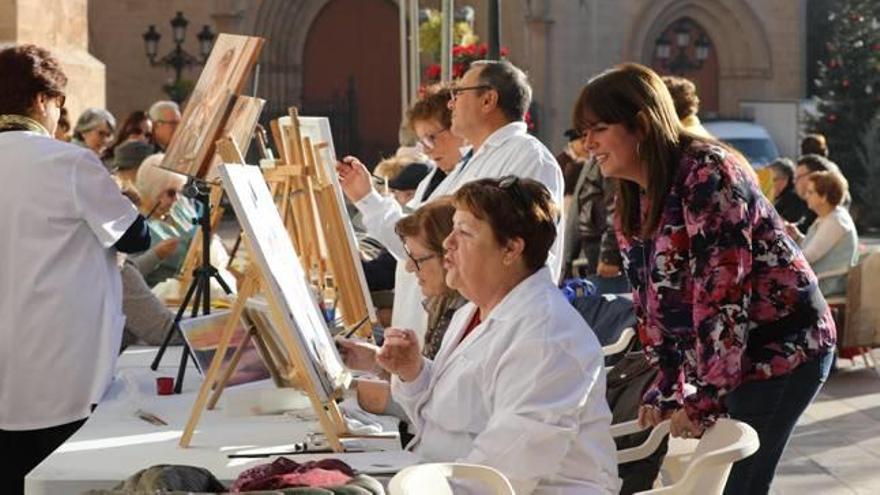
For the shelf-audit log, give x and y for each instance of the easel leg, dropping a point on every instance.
(247, 290)
(227, 373)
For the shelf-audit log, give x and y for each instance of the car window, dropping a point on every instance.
(759, 151)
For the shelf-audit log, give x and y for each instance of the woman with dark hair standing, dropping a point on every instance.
(725, 299)
(63, 220)
(136, 127)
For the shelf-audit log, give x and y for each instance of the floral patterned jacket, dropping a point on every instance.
(722, 294)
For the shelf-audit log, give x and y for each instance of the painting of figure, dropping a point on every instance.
(227, 70)
(203, 335)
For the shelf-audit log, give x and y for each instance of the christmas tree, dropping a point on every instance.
(848, 88)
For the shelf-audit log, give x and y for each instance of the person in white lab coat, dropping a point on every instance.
(488, 106)
(518, 383)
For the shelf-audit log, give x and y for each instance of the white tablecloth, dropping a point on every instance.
(114, 443)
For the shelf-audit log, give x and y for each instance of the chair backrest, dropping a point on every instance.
(722, 445)
(439, 479)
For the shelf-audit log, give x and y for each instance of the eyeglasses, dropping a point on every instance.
(171, 122)
(60, 98)
(429, 141)
(454, 92)
(418, 261)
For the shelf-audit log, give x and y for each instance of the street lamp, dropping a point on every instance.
(178, 58)
(682, 62)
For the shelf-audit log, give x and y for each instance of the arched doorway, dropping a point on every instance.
(685, 49)
(351, 68)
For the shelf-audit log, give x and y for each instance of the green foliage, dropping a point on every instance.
(848, 88)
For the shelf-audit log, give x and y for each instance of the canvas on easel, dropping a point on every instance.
(314, 147)
(277, 273)
(228, 67)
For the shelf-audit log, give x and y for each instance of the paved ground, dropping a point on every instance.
(836, 445)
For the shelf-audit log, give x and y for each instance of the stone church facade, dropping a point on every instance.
(320, 52)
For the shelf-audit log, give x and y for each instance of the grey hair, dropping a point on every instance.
(92, 118)
(151, 181)
(512, 85)
(155, 111)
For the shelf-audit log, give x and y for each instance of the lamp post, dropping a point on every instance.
(178, 58)
(682, 62)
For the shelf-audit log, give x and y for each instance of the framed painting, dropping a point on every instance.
(228, 67)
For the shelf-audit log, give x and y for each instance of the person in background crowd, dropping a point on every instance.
(725, 300)
(165, 116)
(785, 199)
(571, 160)
(403, 186)
(64, 132)
(126, 162)
(136, 127)
(832, 243)
(807, 164)
(517, 362)
(63, 220)
(488, 109)
(687, 103)
(814, 144)
(94, 130)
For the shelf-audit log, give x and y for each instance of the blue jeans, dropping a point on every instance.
(772, 407)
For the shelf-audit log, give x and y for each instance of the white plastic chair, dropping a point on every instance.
(435, 479)
(722, 445)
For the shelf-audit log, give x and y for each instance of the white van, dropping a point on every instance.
(750, 139)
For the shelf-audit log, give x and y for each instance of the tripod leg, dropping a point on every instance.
(178, 384)
(222, 282)
(174, 327)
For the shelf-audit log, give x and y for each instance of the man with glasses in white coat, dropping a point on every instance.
(488, 109)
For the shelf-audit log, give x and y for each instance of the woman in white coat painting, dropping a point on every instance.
(518, 383)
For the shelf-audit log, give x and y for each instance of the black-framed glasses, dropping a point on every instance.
(418, 261)
(454, 92)
(429, 141)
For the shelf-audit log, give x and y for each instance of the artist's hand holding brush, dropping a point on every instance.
(359, 355)
(354, 178)
(400, 354)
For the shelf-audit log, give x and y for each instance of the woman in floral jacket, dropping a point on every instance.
(726, 301)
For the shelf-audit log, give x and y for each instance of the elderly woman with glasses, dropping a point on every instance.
(518, 383)
(94, 130)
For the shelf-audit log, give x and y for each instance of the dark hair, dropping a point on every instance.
(64, 120)
(830, 185)
(130, 126)
(816, 163)
(620, 96)
(783, 166)
(433, 106)
(814, 144)
(432, 223)
(27, 71)
(511, 83)
(684, 96)
(514, 207)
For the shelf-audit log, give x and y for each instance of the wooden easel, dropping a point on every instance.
(327, 412)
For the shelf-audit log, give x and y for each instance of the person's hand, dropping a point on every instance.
(166, 248)
(400, 354)
(357, 354)
(354, 178)
(373, 395)
(651, 416)
(792, 231)
(680, 425)
(606, 270)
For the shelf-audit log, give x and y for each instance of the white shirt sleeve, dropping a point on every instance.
(536, 406)
(828, 232)
(380, 215)
(409, 394)
(99, 201)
